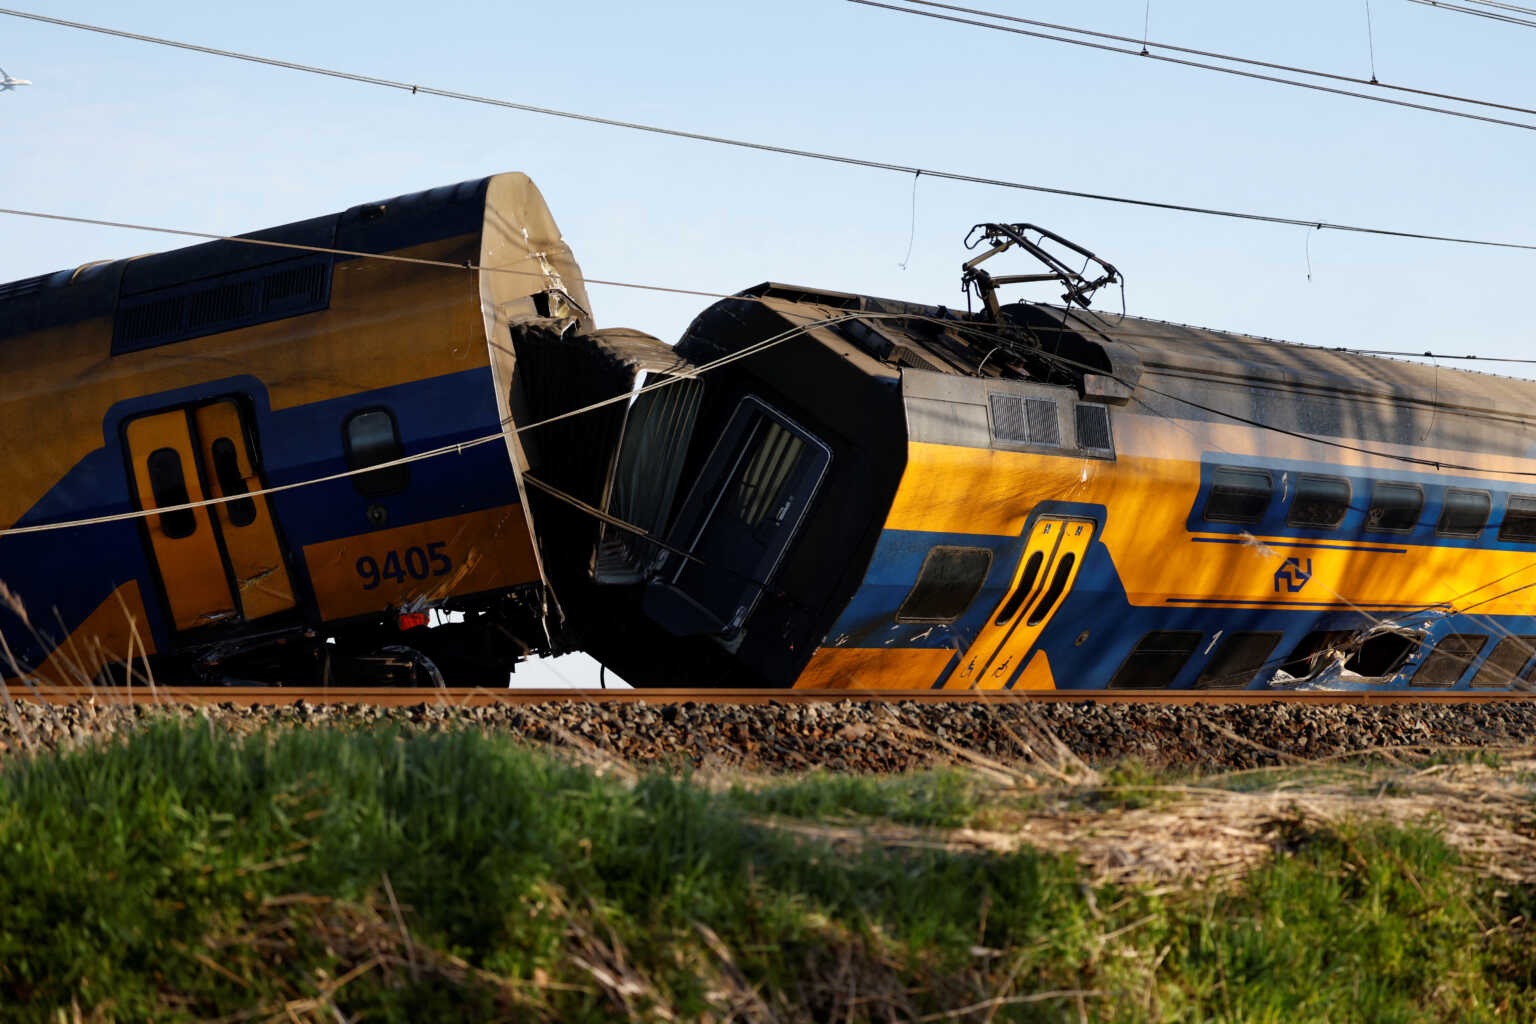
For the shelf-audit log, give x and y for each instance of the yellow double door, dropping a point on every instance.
(1047, 569)
(217, 563)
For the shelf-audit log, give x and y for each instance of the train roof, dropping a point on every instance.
(1129, 347)
(94, 289)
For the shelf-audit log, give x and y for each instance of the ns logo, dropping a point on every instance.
(1292, 575)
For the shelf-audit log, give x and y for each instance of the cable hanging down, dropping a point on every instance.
(806, 154)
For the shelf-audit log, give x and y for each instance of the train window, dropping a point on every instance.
(1053, 592)
(948, 582)
(1449, 659)
(169, 486)
(1024, 589)
(1236, 661)
(1519, 520)
(1503, 665)
(1156, 661)
(372, 438)
(226, 466)
(1305, 658)
(1465, 513)
(1238, 496)
(763, 478)
(1382, 654)
(1394, 508)
(1320, 502)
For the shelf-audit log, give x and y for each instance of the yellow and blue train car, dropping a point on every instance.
(897, 496)
(236, 367)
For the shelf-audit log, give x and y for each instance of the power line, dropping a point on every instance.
(1457, 8)
(672, 290)
(1250, 61)
(1213, 67)
(702, 293)
(904, 169)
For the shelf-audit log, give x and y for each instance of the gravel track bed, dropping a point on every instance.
(865, 737)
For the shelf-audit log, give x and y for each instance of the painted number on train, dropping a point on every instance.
(414, 562)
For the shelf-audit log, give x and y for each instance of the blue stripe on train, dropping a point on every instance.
(65, 575)
(1096, 627)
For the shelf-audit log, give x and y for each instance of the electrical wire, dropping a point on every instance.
(457, 448)
(851, 161)
(1249, 61)
(1118, 333)
(1481, 14)
(1209, 67)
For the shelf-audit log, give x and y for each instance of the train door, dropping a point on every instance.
(1047, 569)
(752, 494)
(245, 525)
(218, 563)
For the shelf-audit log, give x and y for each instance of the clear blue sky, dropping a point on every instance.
(127, 131)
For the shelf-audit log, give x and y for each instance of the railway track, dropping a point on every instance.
(249, 696)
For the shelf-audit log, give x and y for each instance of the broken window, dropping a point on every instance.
(1308, 656)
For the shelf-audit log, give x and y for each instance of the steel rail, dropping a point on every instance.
(483, 697)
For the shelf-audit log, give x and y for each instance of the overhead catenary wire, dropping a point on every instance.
(456, 448)
(1258, 76)
(1492, 15)
(851, 161)
(470, 266)
(1231, 58)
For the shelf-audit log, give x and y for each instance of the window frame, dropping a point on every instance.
(1445, 505)
(981, 583)
(1430, 659)
(1349, 494)
(382, 483)
(1418, 514)
(1210, 495)
(1203, 679)
(1522, 670)
(1199, 636)
(1504, 520)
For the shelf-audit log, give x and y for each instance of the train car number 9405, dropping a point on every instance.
(418, 563)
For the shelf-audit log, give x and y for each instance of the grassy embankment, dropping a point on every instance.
(349, 875)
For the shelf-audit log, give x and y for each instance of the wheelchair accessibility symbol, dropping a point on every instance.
(1293, 575)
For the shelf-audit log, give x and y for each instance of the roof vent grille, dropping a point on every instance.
(1093, 428)
(224, 303)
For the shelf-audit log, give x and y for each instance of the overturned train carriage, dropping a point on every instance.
(894, 496)
(230, 368)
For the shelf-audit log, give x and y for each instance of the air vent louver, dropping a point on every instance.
(223, 303)
(1093, 428)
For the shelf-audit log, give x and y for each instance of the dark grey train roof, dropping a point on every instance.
(1136, 347)
(1170, 348)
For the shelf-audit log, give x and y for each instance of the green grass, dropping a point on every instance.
(185, 874)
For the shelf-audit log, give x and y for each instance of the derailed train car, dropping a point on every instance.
(274, 461)
(897, 496)
(226, 370)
